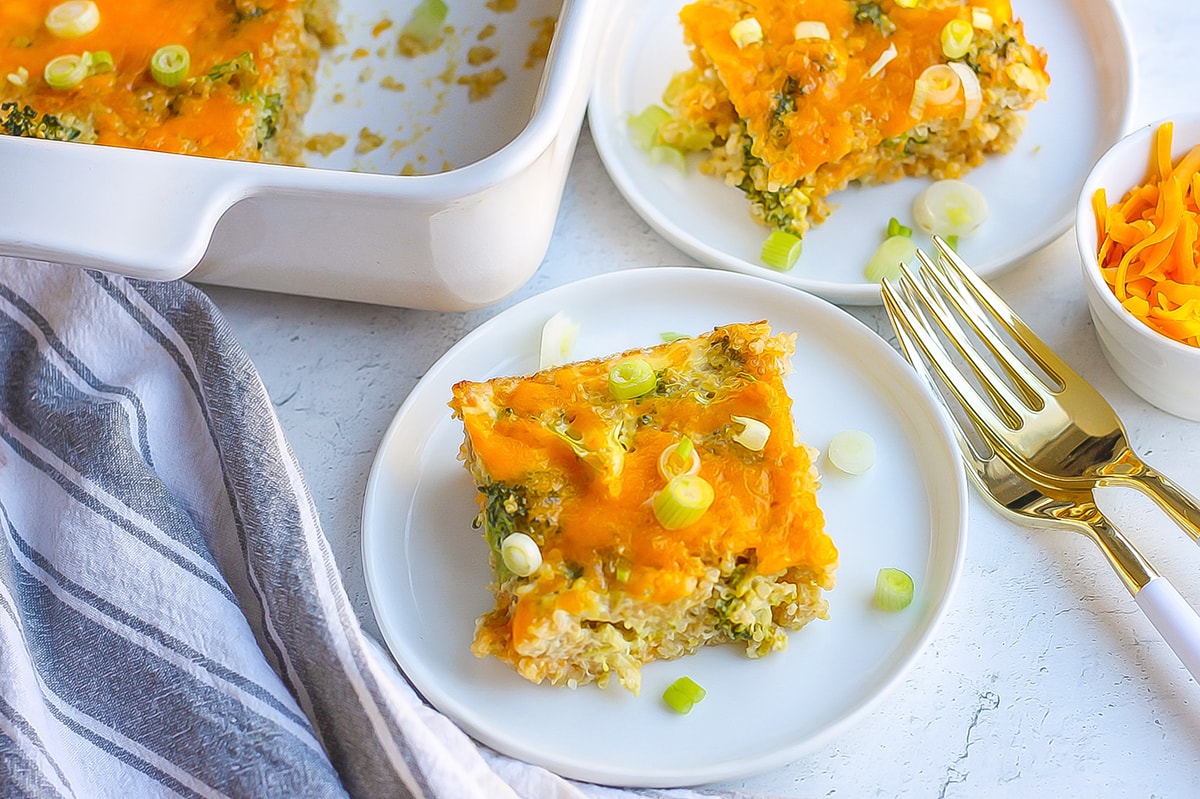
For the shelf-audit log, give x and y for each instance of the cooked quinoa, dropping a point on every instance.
(252, 69)
(558, 457)
(791, 119)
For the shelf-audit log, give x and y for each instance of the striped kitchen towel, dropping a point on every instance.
(172, 622)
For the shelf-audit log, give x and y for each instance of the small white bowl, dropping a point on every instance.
(1164, 372)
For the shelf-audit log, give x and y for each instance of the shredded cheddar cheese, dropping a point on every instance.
(1149, 242)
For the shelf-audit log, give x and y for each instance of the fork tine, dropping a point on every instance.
(1032, 389)
(934, 292)
(953, 266)
(980, 467)
(899, 312)
(924, 350)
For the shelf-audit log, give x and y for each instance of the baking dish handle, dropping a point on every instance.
(136, 213)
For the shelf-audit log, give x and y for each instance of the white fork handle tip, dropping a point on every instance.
(1176, 621)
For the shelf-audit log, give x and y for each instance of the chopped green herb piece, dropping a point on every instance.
(666, 154)
(893, 589)
(684, 500)
(425, 24)
(781, 250)
(631, 378)
(894, 228)
(643, 127)
(683, 694)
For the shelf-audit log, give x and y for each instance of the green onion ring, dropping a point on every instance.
(684, 500)
(66, 71)
(73, 19)
(632, 378)
(170, 63)
(683, 694)
(893, 589)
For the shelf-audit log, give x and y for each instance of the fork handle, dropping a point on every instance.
(1181, 506)
(1175, 620)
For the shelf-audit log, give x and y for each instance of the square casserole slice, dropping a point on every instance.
(558, 457)
(831, 93)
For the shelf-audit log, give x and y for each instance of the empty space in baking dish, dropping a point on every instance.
(377, 110)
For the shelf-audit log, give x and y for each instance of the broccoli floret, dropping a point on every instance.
(17, 120)
(873, 13)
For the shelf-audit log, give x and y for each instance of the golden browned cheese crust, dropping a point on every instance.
(557, 456)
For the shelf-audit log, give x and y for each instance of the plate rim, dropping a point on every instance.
(1121, 57)
(580, 768)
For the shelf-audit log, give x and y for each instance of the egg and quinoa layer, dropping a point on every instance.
(618, 578)
(792, 100)
(232, 78)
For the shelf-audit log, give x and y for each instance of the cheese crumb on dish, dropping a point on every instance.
(598, 462)
(837, 91)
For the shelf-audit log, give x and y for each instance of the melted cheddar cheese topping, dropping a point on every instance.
(809, 102)
(577, 470)
(227, 118)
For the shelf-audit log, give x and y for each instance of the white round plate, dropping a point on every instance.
(1031, 191)
(427, 569)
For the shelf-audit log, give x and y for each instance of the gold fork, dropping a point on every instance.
(1072, 509)
(1058, 431)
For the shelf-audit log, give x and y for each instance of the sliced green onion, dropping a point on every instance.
(99, 62)
(632, 377)
(894, 228)
(941, 83)
(670, 335)
(425, 24)
(893, 589)
(972, 91)
(622, 571)
(952, 242)
(852, 451)
(683, 694)
(746, 32)
(521, 554)
(65, 72)
(811, 29)
(885, 261)
(938, 84)
(558, 341)
(956, 38)
(982, 18)
(170, 63)
(677, 85)
(754, 433)
(73, 19)
(643, 127)
(671, 156)
(679, 458)
(781, 250)
(684, 500)
(950, 208)
(690, 137)
(884, 59)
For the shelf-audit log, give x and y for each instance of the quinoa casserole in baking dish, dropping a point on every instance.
(221, 78)
(643, 505)
(790, 100)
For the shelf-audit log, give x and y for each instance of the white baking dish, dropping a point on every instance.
(348, 226)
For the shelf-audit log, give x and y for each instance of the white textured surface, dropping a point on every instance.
(1045, 679)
